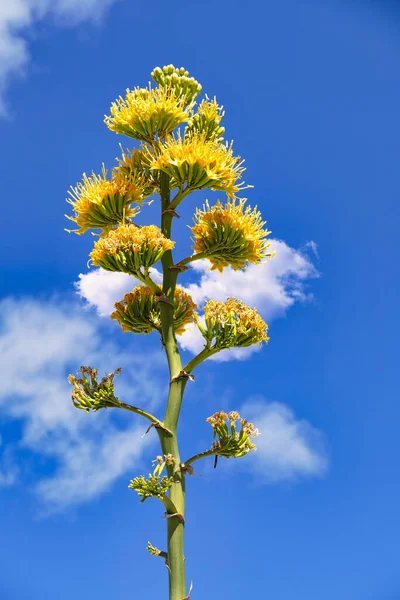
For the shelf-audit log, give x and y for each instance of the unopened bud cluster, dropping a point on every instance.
(152, 487)
(152, 549)
(156, 485)
(179, 81)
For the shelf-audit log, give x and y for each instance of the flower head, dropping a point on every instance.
(207, 120)
(135, 166)
(128, 248)
(139, 312)
(100, 203)
(152, 487)
(232, 324)
(200, 163)
(228, 442)
(179, 81)
(88, 393)
(147, 113)
(230, 235)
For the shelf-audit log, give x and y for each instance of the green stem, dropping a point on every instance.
(169, 443)
(146, 279)
(196, 457)
(179, 197)
(139, 411)
(201, 357)
(189, 259)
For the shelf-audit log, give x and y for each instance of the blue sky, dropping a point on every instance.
(311, 95)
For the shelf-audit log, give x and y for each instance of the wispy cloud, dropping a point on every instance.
(17, 16)
(288, 448)
(272, 288)
(8, 469)
(39, 344)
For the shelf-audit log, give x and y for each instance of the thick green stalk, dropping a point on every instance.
(169, 442)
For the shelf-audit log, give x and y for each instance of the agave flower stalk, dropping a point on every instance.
(180, 150)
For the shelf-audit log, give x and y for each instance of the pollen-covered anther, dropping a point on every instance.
(101, 203)
(129, 248)
(230, 234)
(146, 113)
(198, 162)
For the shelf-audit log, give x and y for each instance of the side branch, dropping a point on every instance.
(205, 454)
(143, 413)
(189, 259)
(201, 357)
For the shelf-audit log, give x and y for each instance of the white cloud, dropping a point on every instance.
(287, 448)
(272, 288)
(17, 16)
(101, 289)
(40, 343)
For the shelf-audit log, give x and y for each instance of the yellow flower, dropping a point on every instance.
(129, 248)
(232, 324)
(100, 203)
(199, 163)
(230, 235)
(135, 167)
(146, 113)
(139, 312)
(207, 120)
(178, 80)
(231, 443)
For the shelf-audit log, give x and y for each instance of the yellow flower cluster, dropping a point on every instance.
(100, 203)
(89, 393)
(128, 248)
(228, 442)
(179, 81)
(147, 113)
(230, 235)
(135, 166)
(207, 120)
(199, 163)
(139, 312)
(232, 324)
